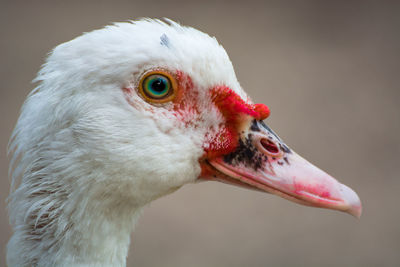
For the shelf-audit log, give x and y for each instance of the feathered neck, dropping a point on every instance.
(61, 228)
(71, 206)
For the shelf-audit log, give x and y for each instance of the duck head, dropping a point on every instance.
(133, 111)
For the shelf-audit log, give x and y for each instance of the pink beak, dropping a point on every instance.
(262, 161)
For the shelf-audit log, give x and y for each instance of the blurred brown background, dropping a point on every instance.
(329, 70)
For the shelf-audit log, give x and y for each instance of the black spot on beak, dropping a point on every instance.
(285, 148)
(269, 130)
(246, 154)
(286, 160)
(254, 126)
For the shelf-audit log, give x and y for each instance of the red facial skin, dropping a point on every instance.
(234, 109)
(264, 163)
(185, 95)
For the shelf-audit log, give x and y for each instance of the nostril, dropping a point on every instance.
(270, 146)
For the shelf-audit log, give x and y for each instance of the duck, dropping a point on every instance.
(126, 114)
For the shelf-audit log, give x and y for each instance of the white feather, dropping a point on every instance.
(85, 162)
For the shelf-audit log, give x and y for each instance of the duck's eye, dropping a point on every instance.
(158, 87)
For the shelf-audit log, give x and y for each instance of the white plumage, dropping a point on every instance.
(89, 152)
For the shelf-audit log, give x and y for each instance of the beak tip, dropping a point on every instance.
(355, 211)
(352, 200)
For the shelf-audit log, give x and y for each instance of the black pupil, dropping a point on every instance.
(158, 85)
